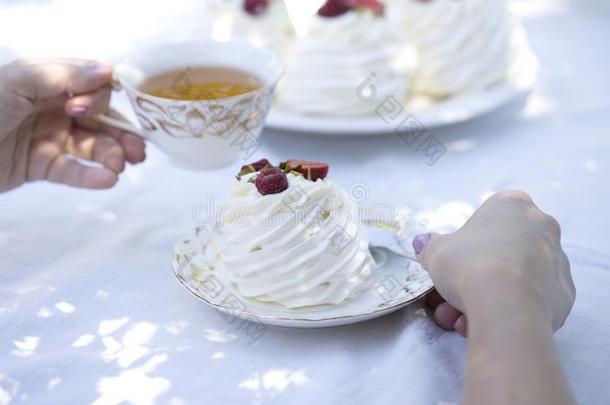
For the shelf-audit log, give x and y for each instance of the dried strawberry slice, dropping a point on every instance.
(374, 5)
(311, 170)
(253, 167)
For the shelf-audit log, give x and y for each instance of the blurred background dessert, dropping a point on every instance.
(340, 49)
(463, 45)
(430, 48)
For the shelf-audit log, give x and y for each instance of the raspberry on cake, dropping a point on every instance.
(311, 170)
(271, 180)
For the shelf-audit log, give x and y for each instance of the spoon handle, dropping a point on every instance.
(404, 255)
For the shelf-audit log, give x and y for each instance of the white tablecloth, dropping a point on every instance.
(89, 309)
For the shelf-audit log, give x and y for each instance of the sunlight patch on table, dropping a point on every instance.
(44, 312)
(218, 336)
(65, 307)
(111, 325)
(274, 380)
(537, 105)
(8, 389)
(26, 347)
(133, 345)
(176, 327)
(218, 356)
(53, 382)
(83, 340)
(133, 386)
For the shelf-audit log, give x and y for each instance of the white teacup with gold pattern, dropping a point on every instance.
(202, 134)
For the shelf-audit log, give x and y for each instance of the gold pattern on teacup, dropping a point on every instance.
(196, 122)
(197, 119)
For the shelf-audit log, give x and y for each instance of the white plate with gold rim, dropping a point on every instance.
(398, 281)
(424, 114)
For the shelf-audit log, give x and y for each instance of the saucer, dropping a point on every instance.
(398, 282)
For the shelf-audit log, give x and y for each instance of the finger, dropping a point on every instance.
(90, 103)
(133, 145)
(446, 316)
(48, 161)
(423, 244)
(460, 325)
(70, 172)
(40, 79)
(99, 148)
(434, 299)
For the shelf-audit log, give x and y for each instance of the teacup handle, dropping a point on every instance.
(119, 124)
(115, 122)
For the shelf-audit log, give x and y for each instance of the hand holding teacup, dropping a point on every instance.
(53, 111)
(46, 110)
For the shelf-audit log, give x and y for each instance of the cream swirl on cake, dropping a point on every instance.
(463, 45)
(326, 67)
(289, 236)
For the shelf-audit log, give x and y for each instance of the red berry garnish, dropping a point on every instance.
(253, 167)
(375, 6)
(271, 180)
(256, 166)
(311, 170)
(255, 7)
(334, 8)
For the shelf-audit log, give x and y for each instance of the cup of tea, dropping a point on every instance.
(204, 103)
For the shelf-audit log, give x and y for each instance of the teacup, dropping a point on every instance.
(202, 134)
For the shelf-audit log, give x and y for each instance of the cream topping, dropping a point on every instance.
(301, 247)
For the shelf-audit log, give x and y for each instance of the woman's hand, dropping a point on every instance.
(505, 270)
(45, 123)
(508, 247)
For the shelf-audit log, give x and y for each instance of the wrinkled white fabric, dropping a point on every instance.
(91, 313)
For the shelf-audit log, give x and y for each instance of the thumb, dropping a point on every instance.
(41, 79)
(423, 245)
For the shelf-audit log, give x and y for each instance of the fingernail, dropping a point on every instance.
(78, 110)
(420, 241)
